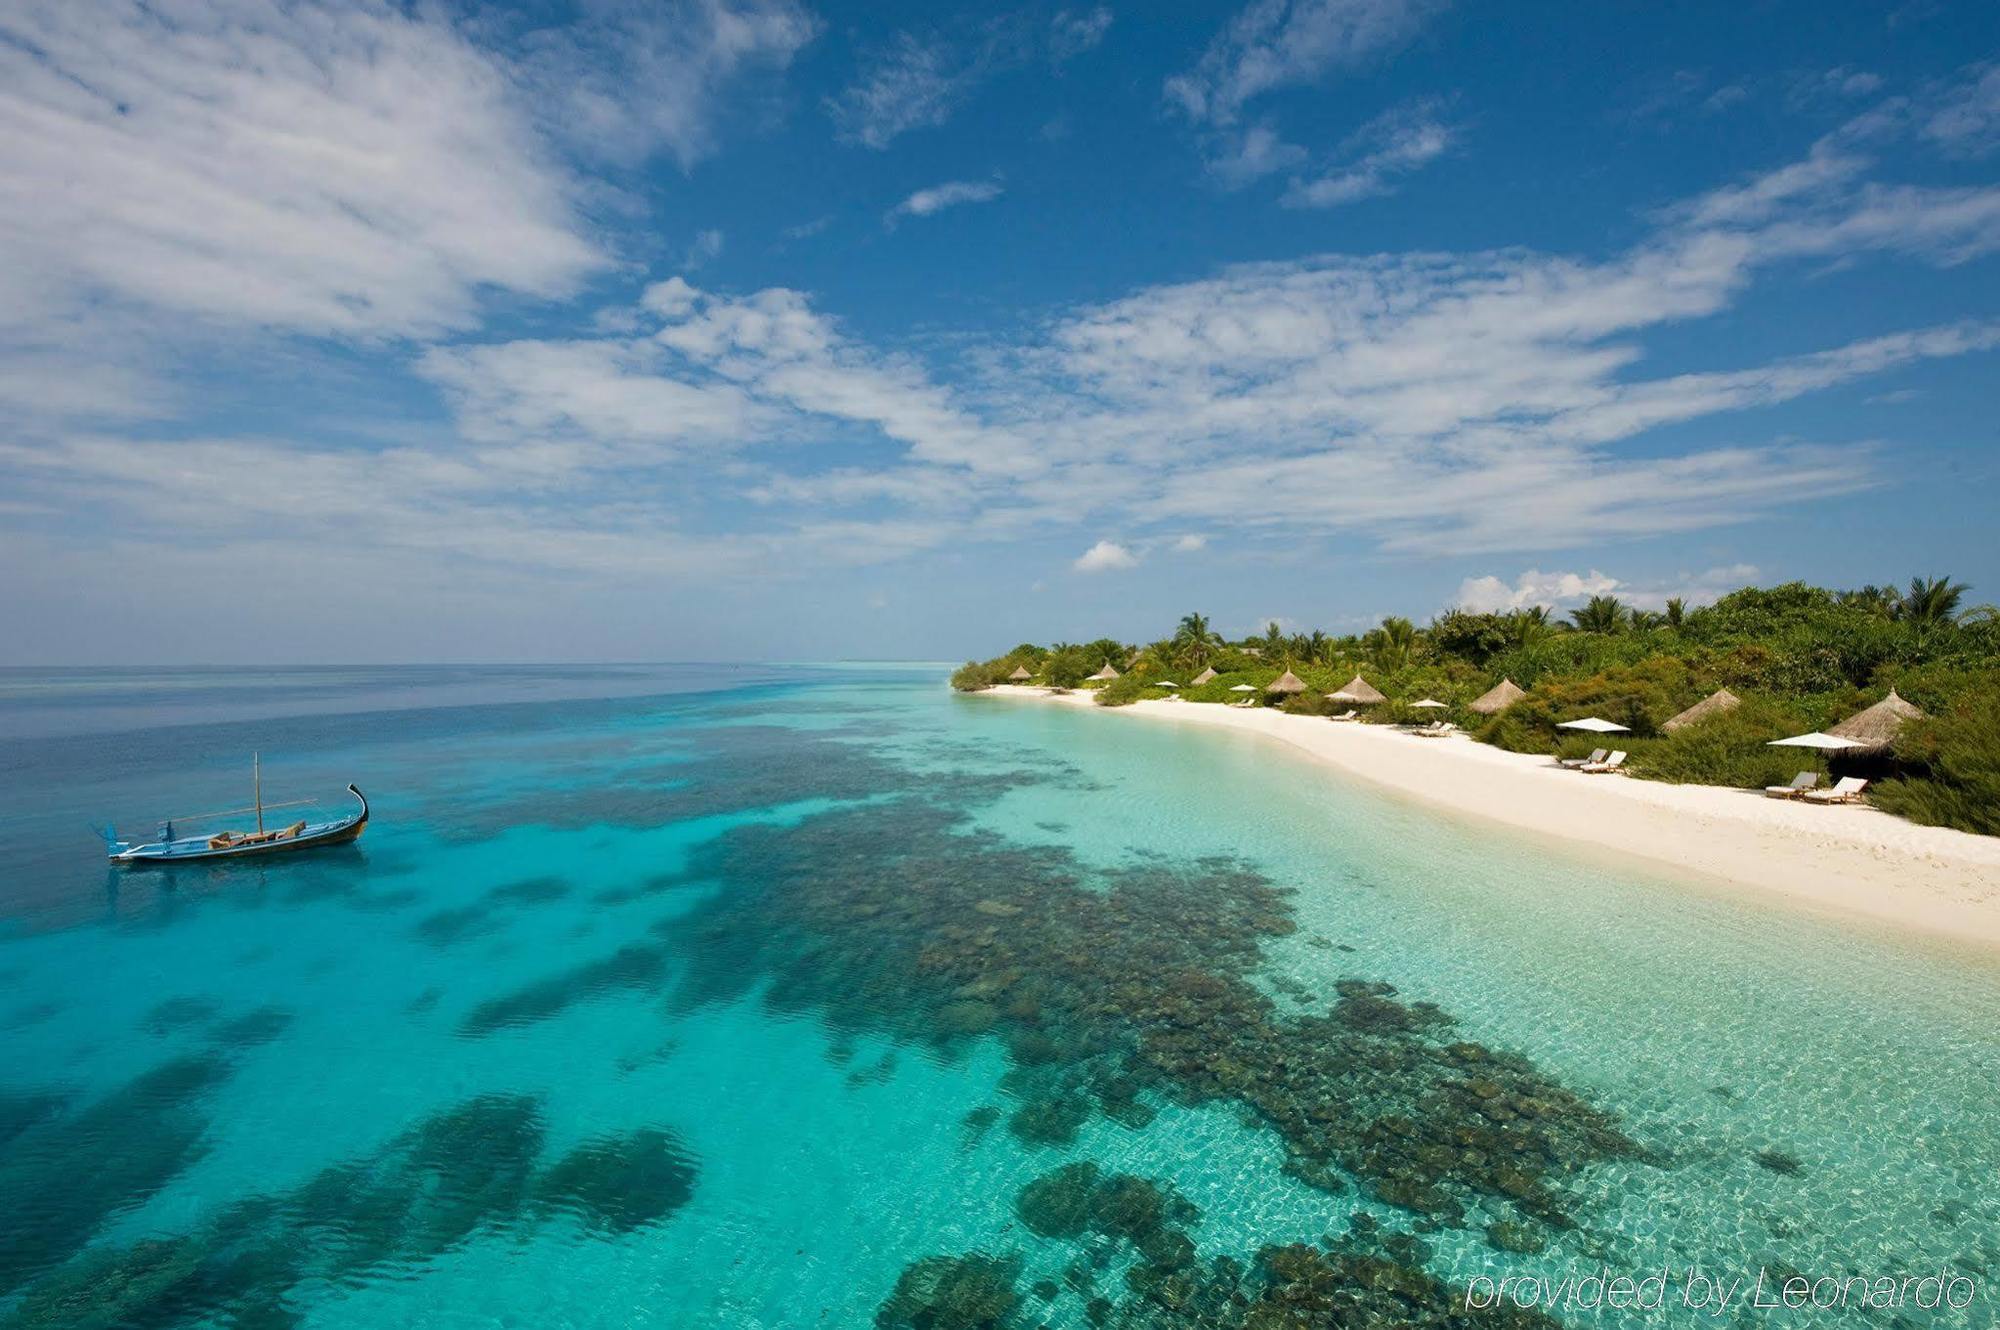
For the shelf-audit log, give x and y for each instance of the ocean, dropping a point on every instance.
(819, 996)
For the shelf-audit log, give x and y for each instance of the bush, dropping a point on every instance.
(1957, 777)
(1125, 690)
(1312, 702)
(1732, 748)
(1641, 697)
(976, 676)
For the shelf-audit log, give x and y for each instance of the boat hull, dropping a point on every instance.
(199, 850)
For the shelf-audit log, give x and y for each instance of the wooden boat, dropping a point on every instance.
(301, 835)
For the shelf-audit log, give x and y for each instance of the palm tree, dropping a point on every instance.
(1389, 646)
(1602, 614)
(1319, 647)
(1931, 601)
(1193, 638)
(1274, 639)
(1676, 611)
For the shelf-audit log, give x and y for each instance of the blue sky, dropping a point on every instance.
(753, 328)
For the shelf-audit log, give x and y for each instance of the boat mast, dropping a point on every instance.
(257, 784)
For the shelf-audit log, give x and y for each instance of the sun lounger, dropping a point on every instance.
(1802, 782)
(1348, 714)
(1444, 729)
(1847, 790)
(1612, 763)
(1596, 755)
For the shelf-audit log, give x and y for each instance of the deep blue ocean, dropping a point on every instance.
(818, 996)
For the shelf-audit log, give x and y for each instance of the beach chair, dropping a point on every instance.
(1596, 755)
(1612, 763)
(1846, 790)
(1802, 782)
(1348, 714)
(1443, 729)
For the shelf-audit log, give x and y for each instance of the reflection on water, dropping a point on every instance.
(838, 1000)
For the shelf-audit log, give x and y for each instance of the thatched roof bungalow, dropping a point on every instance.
(1714, 704)
(1497, 698)
(1286, 683)
(1876, 728)
(1020, 673)
(1359, 689)
(1104, 675)
(1206, 676)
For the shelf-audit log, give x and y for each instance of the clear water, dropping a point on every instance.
(642, 1003)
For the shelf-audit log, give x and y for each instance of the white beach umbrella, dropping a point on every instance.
(1594, 725)
(1243, 688)
(1831, 742)
(1430, 702)
(1165, 683)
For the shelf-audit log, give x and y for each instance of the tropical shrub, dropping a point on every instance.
(1955, 759)
(1731, 748)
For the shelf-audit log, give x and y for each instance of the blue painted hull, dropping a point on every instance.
(194, 849)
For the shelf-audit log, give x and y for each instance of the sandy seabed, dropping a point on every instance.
(1849, 859)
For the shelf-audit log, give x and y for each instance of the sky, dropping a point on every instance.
(760, 329)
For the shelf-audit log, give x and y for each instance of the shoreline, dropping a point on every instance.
(1851, 860)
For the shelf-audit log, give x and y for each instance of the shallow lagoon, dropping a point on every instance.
(736, 1001)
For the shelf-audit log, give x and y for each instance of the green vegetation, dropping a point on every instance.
(1800, 657)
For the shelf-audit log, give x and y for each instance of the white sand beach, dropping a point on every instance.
(1849, 859)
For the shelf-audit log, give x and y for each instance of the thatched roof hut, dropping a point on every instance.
(1360, 690)
(1714, 704)
(1286, 683)
(1105, 674)
(1020, 673)
(1206, 676)
(1875, 729)
(1497, 698)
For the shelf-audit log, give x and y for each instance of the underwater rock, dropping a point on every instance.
(179, 1013)
(1050, 1121)
(1059, 1204)
(966, 1018)
(952, 1293)
(636, 967)
(254, 1029)
(1126, 987)
(1777, 1161)
(618, 1184)
(136, 1139)
(1508, 1236)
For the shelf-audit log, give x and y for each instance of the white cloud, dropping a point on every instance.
(1490, 595)
(1072, 32)
(926, 202)
(1104, 557)
(324, 168)
(1967, 118)
(1190, 543)
(622, 79)
(1277, 43)
(1564, 591)
(915, 84)
(705, 247)
(1381, 152)
(1240, 155)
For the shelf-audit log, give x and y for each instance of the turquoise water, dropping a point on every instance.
(726, 996)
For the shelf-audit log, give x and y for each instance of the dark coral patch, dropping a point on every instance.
(633, 968)
(178, 1014)
(530, 891)
(1112, 988)
(953, 1293)
(617, 1184)
(136, 1139)
(254, 1029)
